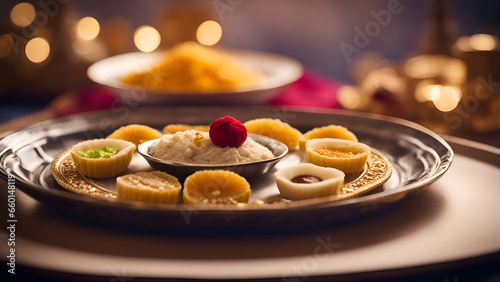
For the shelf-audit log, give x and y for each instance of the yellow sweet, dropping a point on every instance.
(102, 167)
(173, 128)
(215, 187)
(135, 133)
(190, 67)
(329, 131)
(347, 156)
(149, 187)
(276, 129)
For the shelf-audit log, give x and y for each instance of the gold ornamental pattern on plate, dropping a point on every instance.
(378, 171)
(64, 172)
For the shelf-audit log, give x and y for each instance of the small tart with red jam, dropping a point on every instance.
(328, 131)
(347, 156)
(307, 181)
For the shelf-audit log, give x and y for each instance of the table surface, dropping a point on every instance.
(456, 218)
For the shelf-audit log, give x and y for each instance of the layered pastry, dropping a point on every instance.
(102, 158)
(306, 181)
(347, 156)
(328, 131)
(135, 133)
(276, 129)
(149, 187)
(173, 128)
(215, 187)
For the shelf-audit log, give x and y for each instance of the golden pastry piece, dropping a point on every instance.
(276, 129)
(149, 187)
(347, 156)
(102, 158)
(215, 187)
(306, 181)
(329, 131)
(135, 133)
(173, 128)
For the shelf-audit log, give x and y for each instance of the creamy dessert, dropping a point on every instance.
(195, 147)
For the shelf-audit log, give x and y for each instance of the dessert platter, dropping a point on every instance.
(190, 74)
(223, 167)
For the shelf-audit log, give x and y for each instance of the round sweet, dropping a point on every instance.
(149, 187)
(228, 131)
(102, 167)
(347, 156)
(276, 129)
(215, 187)
(173, 128)
(135, 133)
(306, 181)
(328, 131)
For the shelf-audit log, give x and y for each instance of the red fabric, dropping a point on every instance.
(310, 90)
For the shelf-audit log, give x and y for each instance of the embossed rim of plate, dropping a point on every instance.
(378, 171)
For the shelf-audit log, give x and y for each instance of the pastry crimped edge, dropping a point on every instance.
(164, 190)
(353, 164)
(102, 167)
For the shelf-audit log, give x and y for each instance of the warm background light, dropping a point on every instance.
(37, 49)
(209, 33)
(452, 70)
(448, 98)
(87, 28)
(5, 45)
(147, 38)
(482, 42)
(23, 14)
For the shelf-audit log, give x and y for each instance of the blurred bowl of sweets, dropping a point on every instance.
(192, 74)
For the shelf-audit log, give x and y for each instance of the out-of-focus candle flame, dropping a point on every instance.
(87, 28)
(37, 49)
(482, 42)
(23, 14)
(147, 38)
(452, 70)
(477, 42)
(349, 97)
(5, 45)
(209, 33)
(448, 98)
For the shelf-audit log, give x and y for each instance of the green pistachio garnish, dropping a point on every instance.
(105, 152)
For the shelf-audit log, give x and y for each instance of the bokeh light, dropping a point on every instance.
(23, 14)
(37, 49)
(482, 42)
(147, 38)
(87, 28)
(5, 45)
(209, 33)
(448, 98)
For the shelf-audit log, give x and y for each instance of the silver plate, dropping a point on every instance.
(418, 157)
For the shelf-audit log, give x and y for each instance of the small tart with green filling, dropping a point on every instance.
(215, 187)
(328, 131)
(102, 158)
(347, 156)
(149, 187)
(307, 181)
